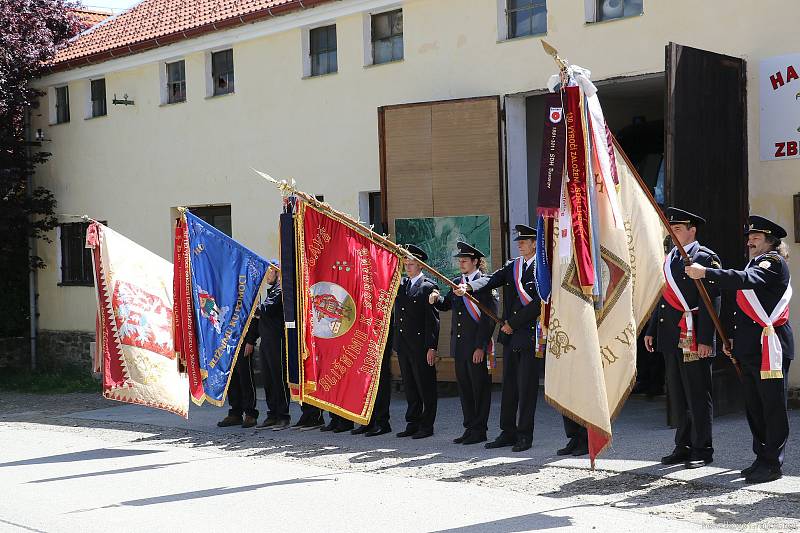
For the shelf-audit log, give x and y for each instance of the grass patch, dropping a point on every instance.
(48, 382)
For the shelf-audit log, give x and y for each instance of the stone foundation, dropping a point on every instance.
(15, 352)
(64, 350)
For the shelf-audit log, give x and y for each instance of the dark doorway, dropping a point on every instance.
(706, 168)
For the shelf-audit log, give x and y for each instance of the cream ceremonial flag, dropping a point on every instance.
(134, 324)
(591, 361)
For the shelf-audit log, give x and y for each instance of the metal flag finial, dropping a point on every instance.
(552, 52)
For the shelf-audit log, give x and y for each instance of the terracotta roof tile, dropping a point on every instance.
(154, 23)
(90, 17)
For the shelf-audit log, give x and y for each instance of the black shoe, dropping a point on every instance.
(330, 427)
(677, 456)
(750, 469)
(568, 449)
(410, 431)
(697, 463)
(500, 442)
(342, 426)
(301, 423)
(422, 434)
(379, 430)
(229, 421)
(268, 422)
(474, 438)
(523, 443)
(313, 423)
(763, 474)
(461, 439)
(282, 423)
(360, 430)
(581, 448)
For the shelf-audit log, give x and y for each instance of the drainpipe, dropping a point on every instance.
(32, 278)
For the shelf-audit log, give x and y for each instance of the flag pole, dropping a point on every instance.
(288, 188)
(701, 289)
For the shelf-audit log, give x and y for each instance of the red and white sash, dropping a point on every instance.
(771, 351)
(519, 267)
(472, 308)
(475, 312)
(674, 297)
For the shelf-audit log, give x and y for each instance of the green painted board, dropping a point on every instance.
(438, 236)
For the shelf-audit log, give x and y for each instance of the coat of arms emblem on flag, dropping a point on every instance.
(217, 283)
(345, 289)
(134, 324)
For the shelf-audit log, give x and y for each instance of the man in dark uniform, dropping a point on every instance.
(416, 340)
(470, 343)
(521, 305)
(242, 389)
(270, 328)
(764, 344)
(379, 423)
(684, 332)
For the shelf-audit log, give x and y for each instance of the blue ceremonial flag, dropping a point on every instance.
(542, 272)
(226, 279)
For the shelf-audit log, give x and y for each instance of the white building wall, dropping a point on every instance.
(132, 166)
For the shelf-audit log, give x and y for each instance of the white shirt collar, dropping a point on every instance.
(471, 277)
(529, 261)
(689, 248)
(416, 278)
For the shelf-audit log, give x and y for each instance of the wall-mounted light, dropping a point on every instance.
(39, 134)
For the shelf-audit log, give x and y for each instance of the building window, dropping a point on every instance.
(176, 82)
(617, 9)
(222, 72)
(322, 46)
(526, 17)
(62, 104)
(218, 216)
(76, 259)
(387, 36)
(98, 91)
(375, 216)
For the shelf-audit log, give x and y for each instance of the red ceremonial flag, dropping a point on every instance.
(346, 292)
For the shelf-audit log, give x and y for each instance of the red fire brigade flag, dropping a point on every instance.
(346, 289)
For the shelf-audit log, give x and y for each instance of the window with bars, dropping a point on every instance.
(616, 9)
(526, 17)
(387, 36)
(322, 47)
(76, 259)
(176, 82)
(222, 71)
(62, 104)
(98, 92)
(218, 216)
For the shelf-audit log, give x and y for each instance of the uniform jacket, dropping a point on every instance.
(521, 318)
(267, 321)
(664, 321)
(416, 320)
(466, 335)
(768, 276)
